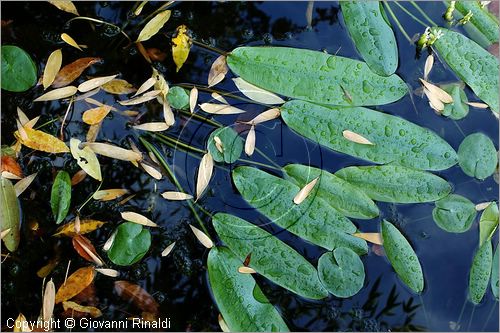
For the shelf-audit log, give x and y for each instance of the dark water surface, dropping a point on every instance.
(179, 282)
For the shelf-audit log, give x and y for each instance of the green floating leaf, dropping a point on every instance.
(232, 145)
(178, 98)
(341, 195)
(234, 295)
(454, 213)
(314, 76)
(60, 197)
(372, 34)
(395, 183)
(477, 156)
(19, 72)
(458, 109)
(488, 223)
(473, 64)
(402, 257)
(483, 20)
(9, 215)
(313, 220)
(269, 256)
(494, 275)
(342, 272)
(131, 243)
(395, 140)
(480, 271)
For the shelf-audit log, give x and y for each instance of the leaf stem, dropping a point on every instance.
(423, 13)
(89, 198)
(210, 48)
(397, 21)
(220, 92)
(410, 14)
(99, 21)
(201, 118)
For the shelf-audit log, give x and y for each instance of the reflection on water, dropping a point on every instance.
(179, 282)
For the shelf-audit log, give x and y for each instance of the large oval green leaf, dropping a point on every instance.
(402, 257)
(313, 220)
(341, 195)
(342, 272)
(454, 213)
(483, 20)
(372, 35)
(235, 293)
(395, 183)
(131, 243)
(60, 197)
(9, 215)
(477, 156)
(269, 256)
(495, 283)
(488, 223)
(315, 76)
(480, 271)
(232, 145)
(19, 72)
(473, 64)
(394, 139)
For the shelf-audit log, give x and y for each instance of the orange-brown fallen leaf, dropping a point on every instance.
(75, 283)
(72, 71)
(78, 177)
(156, 54)
(96, 115)
(86, 250)
(137, 296)
(42, 141)
(92, 311)
(48, 268)
(10, 164)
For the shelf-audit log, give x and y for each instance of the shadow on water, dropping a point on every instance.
(179, 282)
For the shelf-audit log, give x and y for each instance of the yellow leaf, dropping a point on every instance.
(75, 283)
(218, 71)
(86, 159)
(57, 94)
(21, 324)
(95, 115)
(110, 194)
(181, 44)
(118, 87)
(93, 311)
(114, 151)
(86, 226)
(52, 67)
(305, 191)
(95, 83)
(48, 268)
(139, 8)
(70, 41)
(138, 218)
(246, 270)
(153, 26)
(202, 237)
(42, 141)
(372, 237)
(66, 6)
(219, 98)
(356, 138)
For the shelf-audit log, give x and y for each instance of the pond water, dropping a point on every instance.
(179, 282)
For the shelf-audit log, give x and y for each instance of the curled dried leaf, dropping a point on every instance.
(78, 177)
(9, 175)
(9, 163)
(204, 174)
(202, 237)
(167, 250)
(70, 41)
(4, 233)
(305, 191)
(218, 71)
(434, 102)
(220, 108)
(218, 144)
(223, 324)
(152, 127)
(176, 196)
(95, 83)
(113, 151)
(52, 67)
(250, 141)
(356, 138)
(168, 115)
(478, 105)
(372, 237)
(23, 184)
(57, 94)
(109, 242)
(138, 218)
(482, 206)
(23, 119)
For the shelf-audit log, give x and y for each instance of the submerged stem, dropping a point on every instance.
(410, 14)
(423, 13)
(101, 22)
(220, 92)
(397, 21)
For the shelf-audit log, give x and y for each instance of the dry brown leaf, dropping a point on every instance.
(372, 237)
(139, 297)
(138, 218)
(213, 108)
(109, 194)
(57, 94)
(152, 127)
(482, 206)
(255, 93)
(118, 87)
(109, 242)
(95, 115)
(8, 175)
(9, 163)
(75, 283)
(42, 141)
(153, 26)
(108, 272)
(65, 5)
(23, 184)
(202, 237)
(305, 191)
(93, 132)
(87, 95)
(23, 118)
(86, 226)
(92, 311)
(49, 296)
(70, 41)
(168, 115)
(437, 92)
(52, 67)
(152, 171)
(356, 138)
(113, 151)
(478, 105)
(204, 174)
(148, 84)
(429, 62)
(193, 99)
(78, 177)
(246, 270)
(142, 99)
(143, 51)
(95, 83)
(72, 71)
(86, 250)
(218, 71)
(219, 98)
(176, 196)
(218, 144)
(265, 116)
(48, 268)
(434, 102)
(250, 141)
(167, 250)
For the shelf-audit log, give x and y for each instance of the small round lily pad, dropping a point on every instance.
(178, 98)
(454, 213)
(232, 145)
(131, 243)
(477, 156)
(19, 72)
